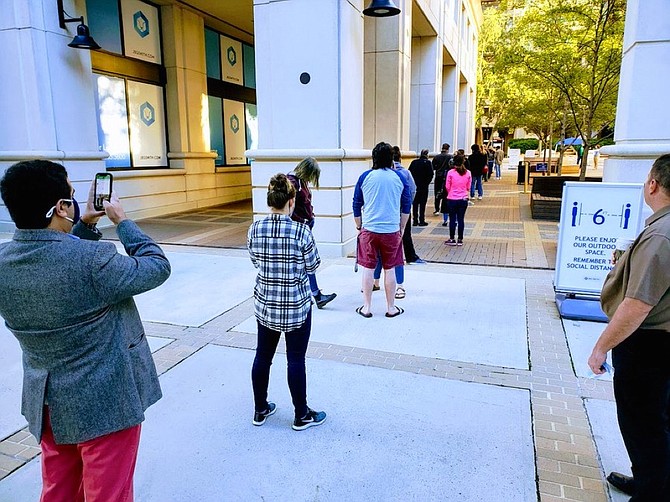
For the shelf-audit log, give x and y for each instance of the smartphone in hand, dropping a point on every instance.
(102, 190)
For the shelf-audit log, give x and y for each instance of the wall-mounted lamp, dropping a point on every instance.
(83, 39)
(381, 8)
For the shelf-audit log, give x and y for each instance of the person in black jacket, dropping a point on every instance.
(422, 172)
(441, 165)
(477, 161)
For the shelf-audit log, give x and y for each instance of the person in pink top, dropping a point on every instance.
(457, 188)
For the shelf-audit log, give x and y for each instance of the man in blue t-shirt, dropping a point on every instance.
(381, 206)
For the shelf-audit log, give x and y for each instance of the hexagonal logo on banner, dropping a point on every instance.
(147, 113)
(141, 24)
(234, 123)
(232, 56)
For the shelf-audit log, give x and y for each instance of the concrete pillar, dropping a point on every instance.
(426, 94)
(463, 114)
(46, 93)
(642, 131)
(310, 100)
(388, 45)
(186, 91)
(450, 88)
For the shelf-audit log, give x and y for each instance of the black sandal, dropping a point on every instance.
(396, 313)
(359, 311)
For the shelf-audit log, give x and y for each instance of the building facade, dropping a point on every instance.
(197, 103)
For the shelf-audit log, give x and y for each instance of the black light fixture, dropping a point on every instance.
(381, 8)
(83, 39)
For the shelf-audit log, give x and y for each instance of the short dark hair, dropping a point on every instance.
(396, 154)
(30, 188)
(446, 146)
(382, 156)
(424, 153)
(280, 191)
(475, 148)
(660, 171)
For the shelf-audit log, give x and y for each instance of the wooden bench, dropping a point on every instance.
(545, 197)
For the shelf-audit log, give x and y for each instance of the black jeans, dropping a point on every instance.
(642, 394)
(408, 243)
(296, 348)
(438, 189)
(419, 205)
(457, 210)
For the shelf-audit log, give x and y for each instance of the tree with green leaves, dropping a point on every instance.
(562, 53)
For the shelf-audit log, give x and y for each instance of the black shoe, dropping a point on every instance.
(445, 223)
(415, 223)
(621, 482)
(322, 300)
(423, 224)
(311, 419)
(260, 416)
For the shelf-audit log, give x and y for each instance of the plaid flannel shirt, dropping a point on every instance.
(284, 253)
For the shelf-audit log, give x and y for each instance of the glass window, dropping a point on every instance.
(147, 125)
(131, 122)
(249, 66)
(212, 54)
(129, 83)
(103, 20)
(252, 125)
(231, 84)
(113, 120)
(216, 128)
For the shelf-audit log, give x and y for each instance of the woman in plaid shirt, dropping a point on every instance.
(284, 253)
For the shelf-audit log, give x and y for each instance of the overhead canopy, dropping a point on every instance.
(570, 142)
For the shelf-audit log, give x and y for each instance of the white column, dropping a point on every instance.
(449, 106)
(388, 45)
(46, 93)
(426, 96)
(463, 113)
(322, 42)
(642, 131)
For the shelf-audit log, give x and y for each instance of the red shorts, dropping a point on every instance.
(372, 245)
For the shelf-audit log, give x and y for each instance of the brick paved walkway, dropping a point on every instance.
(499, 230)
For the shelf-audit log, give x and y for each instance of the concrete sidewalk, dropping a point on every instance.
(475, 393)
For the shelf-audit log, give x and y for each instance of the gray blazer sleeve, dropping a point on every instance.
(117, 277)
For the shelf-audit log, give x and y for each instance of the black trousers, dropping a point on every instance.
(296, 348)
(457, 210)
(419, 205)
(642, 394)
(438, 188)
(408, 244)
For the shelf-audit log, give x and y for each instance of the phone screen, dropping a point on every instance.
(103, 190)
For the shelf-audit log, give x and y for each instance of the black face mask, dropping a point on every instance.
(73, 220)
(77, 213)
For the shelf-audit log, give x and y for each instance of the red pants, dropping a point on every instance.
(99, 470)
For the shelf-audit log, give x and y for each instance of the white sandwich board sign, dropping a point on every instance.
(593, 216)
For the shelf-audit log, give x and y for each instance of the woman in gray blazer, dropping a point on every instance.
(68, 299)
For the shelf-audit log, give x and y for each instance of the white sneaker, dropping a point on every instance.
(479, 198)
